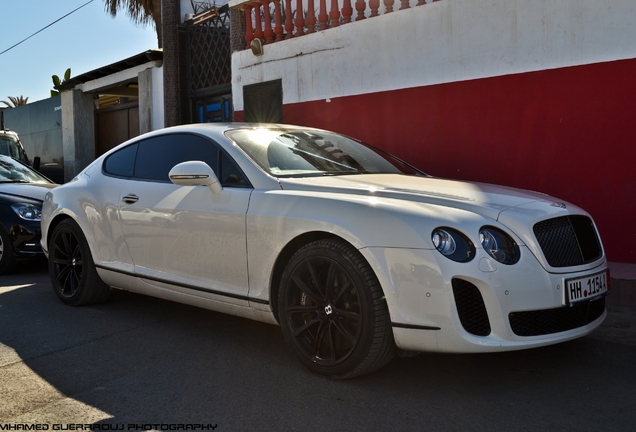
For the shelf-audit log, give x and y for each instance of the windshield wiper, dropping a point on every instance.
(339, 173)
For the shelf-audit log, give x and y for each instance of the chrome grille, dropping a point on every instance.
(568, 240)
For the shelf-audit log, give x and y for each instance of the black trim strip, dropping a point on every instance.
(414, 327)
(192, 287)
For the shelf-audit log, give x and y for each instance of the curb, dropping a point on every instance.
(623, 293)
(622, 284)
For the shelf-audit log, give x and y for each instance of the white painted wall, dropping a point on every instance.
(446, 41)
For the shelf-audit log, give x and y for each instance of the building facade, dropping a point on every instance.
(537, 95)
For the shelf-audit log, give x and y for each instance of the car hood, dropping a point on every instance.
(32, 191)
(485, 199)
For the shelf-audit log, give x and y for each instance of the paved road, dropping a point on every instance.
(137, 360)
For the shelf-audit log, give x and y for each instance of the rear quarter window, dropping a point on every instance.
(122, 162)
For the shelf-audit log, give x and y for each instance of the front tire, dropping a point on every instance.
(71, 267)
(332, 311)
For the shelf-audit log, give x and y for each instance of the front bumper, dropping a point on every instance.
(25, 237)
(523, 305)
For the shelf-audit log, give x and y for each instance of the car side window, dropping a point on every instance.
(156, 156)
(231, 175)
(122, 162)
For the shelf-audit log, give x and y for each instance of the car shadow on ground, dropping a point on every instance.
(139, 359)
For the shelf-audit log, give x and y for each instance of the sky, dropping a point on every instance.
(83, 41)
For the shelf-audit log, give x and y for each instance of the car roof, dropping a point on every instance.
(8, 132)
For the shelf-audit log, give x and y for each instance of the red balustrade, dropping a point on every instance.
(334, 14)
(289, 22)
(322, 15)
(360, 7)
(347, 11)
(300, 20)
(268, 33)
(375, 6)
(310, 19)
(278, 24)
(249, 31)
(257, 28)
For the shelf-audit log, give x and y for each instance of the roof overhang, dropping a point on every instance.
(115, 74)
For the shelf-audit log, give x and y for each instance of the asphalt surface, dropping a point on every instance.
(138, 363)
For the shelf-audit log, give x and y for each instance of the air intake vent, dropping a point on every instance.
(568, 241)
(471, 308)
(548, 321)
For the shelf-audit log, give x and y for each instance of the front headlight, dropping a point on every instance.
(28, 212)
(499, 245)
(453, 244)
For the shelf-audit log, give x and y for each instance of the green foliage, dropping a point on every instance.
(57, 82)
(15, 101)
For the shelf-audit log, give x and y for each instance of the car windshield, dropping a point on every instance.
(9, 146)
(12, 171)
(309, 152)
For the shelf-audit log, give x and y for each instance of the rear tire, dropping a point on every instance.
(332, 311)
(71, 267)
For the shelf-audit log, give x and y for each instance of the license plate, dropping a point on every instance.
(585, 288)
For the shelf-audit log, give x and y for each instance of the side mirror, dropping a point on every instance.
(36, 163)
(195, 173)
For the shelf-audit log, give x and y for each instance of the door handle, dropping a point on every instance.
(130, 198)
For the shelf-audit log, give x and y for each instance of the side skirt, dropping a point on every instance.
(194, 296)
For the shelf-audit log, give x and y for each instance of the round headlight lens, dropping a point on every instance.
(444, 242)
(453, 244)
(499, 245)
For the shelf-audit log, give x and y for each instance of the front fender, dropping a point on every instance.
(276, 218)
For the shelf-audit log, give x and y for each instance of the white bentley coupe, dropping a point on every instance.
(354, 253)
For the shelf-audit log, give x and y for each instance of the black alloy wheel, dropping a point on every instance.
(71, 268)
(332, 311)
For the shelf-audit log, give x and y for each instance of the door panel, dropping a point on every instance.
(187, 235)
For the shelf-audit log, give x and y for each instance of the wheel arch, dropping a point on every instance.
(285, 255)
(53, 224)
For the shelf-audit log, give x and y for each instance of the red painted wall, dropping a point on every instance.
(568, 132)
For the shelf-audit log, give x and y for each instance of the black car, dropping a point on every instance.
(22, 192)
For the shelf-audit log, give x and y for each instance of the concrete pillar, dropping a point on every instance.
(145, 101)
(171, 18)
(78, 131)
(151, 105)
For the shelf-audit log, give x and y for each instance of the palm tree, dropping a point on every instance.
(140, 12)
(15, 101)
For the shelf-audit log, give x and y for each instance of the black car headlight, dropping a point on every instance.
(28, 212)
(453, 244)
(499, 245)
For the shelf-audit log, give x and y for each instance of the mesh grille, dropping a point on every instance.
(568, 240)
(263, 102)
(548, 321)
(471, 308)
(209, 52)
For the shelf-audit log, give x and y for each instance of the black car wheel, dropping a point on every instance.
(73, 274)
(332, 311)
(7, 260)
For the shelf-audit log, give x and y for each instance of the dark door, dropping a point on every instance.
(114, 125)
